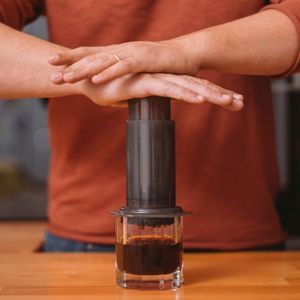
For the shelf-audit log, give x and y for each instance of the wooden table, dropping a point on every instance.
(21, 236)
(25, 275)
(235, 276)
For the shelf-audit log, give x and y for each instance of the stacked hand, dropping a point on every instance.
(137, 70)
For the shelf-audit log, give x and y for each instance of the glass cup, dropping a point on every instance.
(149, 252)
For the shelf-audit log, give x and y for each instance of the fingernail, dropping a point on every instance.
(96, 79)
(54, 58)
(56, 77)
(238, 96)
(68, 76)
(238, 102)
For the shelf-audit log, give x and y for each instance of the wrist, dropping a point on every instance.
(197, 47)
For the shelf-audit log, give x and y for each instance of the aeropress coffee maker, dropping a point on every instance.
(149, 227)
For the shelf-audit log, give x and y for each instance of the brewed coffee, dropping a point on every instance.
(149, 255)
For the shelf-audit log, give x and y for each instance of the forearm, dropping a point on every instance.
(262, 44)
(25, 71)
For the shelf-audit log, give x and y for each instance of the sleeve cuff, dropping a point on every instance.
(295, 19)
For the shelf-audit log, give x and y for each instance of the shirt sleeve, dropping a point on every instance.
(17, 13)
(291, 8)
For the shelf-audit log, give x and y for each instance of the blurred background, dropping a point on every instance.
(25, 153)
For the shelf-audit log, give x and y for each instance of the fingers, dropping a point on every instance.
(100, 68)
(210, 92)
(71, 56)
(100, 64)
(84, 68)
(119, 69)
(149, 85)
(178, 87)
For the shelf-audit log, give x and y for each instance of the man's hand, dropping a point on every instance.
(87, 62)
(26, 72)
(102, 64)
(180, 87)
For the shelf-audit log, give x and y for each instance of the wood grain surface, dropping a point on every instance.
(25, 275)
(25, 236)
(237, 276)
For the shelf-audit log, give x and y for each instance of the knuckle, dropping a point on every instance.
(198, 80)
(68, 70)
(78, 74)
(209, 95)
(213, 87)
(209, 84)
(127, 64)
(186, 77)
(189, 79)
(82, 71)
(186, 93)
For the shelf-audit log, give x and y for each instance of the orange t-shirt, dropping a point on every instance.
(226, 162)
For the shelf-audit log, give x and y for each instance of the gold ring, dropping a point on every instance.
(117, 57)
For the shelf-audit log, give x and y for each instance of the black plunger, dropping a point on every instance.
(150, 172)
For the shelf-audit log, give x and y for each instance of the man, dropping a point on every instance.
(226, 163)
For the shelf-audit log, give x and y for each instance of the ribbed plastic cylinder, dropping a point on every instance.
(150, 155)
